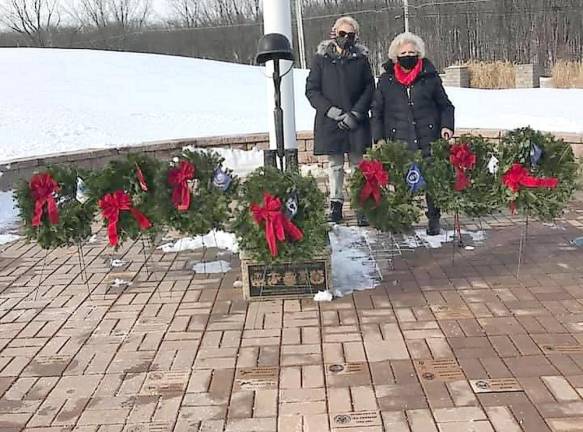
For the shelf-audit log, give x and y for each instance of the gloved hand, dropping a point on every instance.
(335, 113)
(348, 123)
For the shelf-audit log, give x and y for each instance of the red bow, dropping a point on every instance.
(518, 176)
(376, 177)
(178, 178)
(42, 188)
(462, 159)
(141, 179)
(276, 224)
(111, 205)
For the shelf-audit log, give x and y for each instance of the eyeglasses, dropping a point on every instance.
(349, 35)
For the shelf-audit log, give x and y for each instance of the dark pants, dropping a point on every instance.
(433, 212)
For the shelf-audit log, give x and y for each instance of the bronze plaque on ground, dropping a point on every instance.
(497, 385)
(451, 312)
(164, 383)
(355, 419)
(294, 279)
(562, 349)
(256, 378)
(345, 368)
(439, 370)
(149, 427)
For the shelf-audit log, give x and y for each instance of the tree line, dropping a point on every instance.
(522, 31)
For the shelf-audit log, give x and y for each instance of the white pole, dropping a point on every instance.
(277, 19)
(406, 14)
(300, 25)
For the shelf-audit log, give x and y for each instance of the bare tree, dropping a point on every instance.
(34, 19)
(130, 13)
(187, 12)
(119, 14)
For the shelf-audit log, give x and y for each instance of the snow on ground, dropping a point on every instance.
(219, 266)
(242, 162)
(215, 239)
(8, 218)
(421, 239)
(353, 268)
(62, 100)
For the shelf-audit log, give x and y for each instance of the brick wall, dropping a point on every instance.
(97, 158)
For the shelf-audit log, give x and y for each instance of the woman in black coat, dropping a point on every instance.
(410, 105)
(340, 87)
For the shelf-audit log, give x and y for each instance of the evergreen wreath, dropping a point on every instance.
(397, 209)
(303, 204)
(53, 208)
(194, 192)
(129, 183)
(461, 177)
(547, 163)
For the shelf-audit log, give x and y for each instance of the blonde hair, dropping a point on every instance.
(405, 38)
(347, 20)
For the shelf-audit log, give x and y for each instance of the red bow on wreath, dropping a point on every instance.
(518, 176)
(178, 178)
(376, 177)
(42, 188)
(462, 160)
(111, 205)
(141, 178)
(277, 226)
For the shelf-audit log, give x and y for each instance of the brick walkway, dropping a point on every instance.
(423, 352)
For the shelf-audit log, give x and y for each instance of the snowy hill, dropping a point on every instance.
(61, 100)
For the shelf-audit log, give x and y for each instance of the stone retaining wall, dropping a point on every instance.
(97, 158)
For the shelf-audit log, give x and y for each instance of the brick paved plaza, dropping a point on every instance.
(438, 346)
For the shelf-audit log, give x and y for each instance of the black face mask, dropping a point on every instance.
(408, 62)
(344, 42)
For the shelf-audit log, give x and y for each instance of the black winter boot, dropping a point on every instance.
(335, 212)
(433, 227)
(361, 219)
(433, 214)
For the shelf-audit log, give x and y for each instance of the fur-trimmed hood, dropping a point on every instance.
(328, 47)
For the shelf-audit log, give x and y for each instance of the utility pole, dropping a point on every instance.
(406, 14)
(301, 40)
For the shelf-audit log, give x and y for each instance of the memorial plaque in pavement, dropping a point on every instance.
(439, 370)
(497, 385)
(356, 419)
(256, 378)
(164, 383)
(451, 312)
(149, 427)
(47, 365)
(346, 368)
(562, 349)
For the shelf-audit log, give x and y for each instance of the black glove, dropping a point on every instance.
(334, 113)
(348, 123)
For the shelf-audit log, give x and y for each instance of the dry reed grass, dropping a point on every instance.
(491, 75)
(568, 74)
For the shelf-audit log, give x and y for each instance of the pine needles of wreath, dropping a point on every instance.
(556, 161)
(75, 218)
(310, 217)
(210, 206)
(135, 175)
(482, 196)
(399, 208)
